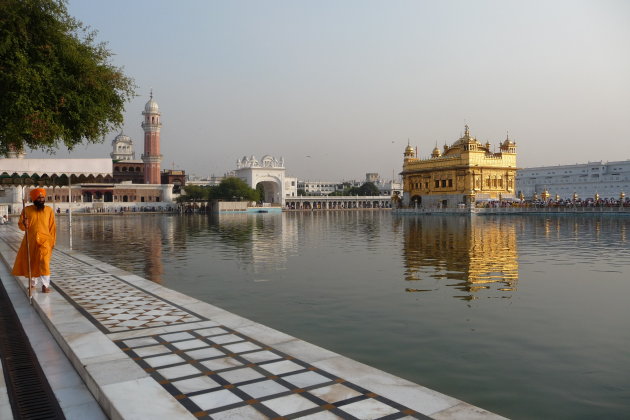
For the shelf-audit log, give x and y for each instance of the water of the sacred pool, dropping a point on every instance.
(526, 316)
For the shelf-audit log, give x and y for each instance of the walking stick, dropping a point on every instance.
(28, 248)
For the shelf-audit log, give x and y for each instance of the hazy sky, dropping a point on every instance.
(337, 87)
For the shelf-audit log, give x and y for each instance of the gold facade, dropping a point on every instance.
(465, 172)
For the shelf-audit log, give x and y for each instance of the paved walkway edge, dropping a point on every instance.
(126, 391)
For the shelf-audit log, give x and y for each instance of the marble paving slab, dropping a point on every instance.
(213, 371)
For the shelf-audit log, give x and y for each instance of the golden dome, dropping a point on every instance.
(410, 151)
(465, 139)
(508, 142)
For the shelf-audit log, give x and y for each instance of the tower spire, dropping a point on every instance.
(151, 126)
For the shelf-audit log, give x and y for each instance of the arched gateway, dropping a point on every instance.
(269, 172)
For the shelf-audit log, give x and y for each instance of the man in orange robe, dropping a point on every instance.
(39, 219)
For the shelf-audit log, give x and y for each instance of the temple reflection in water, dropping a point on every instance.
(476, 256)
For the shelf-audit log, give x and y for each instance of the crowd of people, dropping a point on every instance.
(588, 202)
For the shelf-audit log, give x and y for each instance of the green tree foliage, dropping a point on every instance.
(234, 189)
(351, 191)
(369, 188)
(195, 193)
(261, 190)
(57, 84)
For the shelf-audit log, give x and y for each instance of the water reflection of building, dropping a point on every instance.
(264, 240)
(147, 236)
(479, 254)
(153, 255)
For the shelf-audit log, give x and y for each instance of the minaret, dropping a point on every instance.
(151, 157)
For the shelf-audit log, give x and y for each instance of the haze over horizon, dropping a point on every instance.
(339, 88)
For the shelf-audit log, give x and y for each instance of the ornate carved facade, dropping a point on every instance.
(463, 173)
(268, 171)
(266, 161)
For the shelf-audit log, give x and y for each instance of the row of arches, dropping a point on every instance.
(303, 203)
(53, 179)
(135, 168)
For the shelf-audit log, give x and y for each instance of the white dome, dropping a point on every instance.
(151, 106)
(122, 138)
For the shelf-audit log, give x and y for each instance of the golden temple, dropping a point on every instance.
(460, 175)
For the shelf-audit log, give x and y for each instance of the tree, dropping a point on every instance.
(369, 188)
(57, 83)
(233, 188)
(352, 191)
(261, 190)
(195, 193)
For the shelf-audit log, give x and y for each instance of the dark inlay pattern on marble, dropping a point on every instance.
(215, 372)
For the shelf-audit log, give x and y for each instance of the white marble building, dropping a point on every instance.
(320, 187)
(608, 179)
(270, 172)
(91, 185)
(122, 148)
(386, 188)
(290, 186)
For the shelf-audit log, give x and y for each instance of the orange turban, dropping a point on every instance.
(36, 193)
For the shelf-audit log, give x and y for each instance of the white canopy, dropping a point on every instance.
(58, 167)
